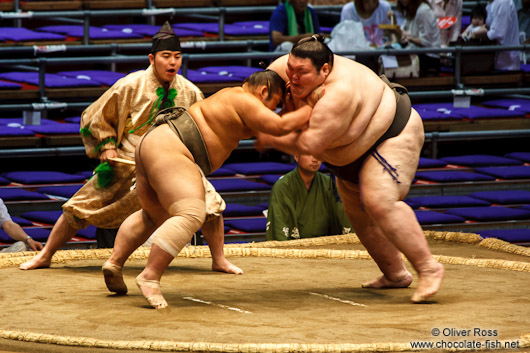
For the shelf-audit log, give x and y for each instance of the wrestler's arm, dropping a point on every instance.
(331, 117)
(260, 118)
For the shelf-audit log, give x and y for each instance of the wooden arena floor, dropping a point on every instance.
(282, 303)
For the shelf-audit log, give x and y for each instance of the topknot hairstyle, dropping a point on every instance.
(269, 78)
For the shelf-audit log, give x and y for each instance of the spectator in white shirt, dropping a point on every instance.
(502, 25)
(371, 13)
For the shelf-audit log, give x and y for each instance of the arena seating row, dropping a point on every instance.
(70, 34)
(250, 183)
(54, 5)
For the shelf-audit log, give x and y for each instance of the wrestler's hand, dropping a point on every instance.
(288, 102)
(105, 155)
(314, 96)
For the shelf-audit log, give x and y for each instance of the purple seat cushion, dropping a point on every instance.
(485, 113)
(55, 129)
(253, 225)
(50, 80)
(38, 234)
(204, 77)
(228, 185)
(473, 112)
(257, 168)
(223, 172)
(93, 32)
(4, 181)
(494, 213)
(525, 207)
(432, 217)
(16, 34)
(87, 174)
(63, 29)
(503, 197)
(44, 177)
(21, 221)
(452, 176)
(145, 30)
(65, 191)
(9, 85)
(238, 72)
(213, 27)
(103, 77)
(20, 195)
(433, 114)
(258, 27)
(522, 105)
(447, 201)
(481, 160)
(183, 32)
(237, 210)
(73, 120)
(431, 163)
(18, 122)
(7, 131)
(522, 156)
(513, 172)
(509, 235)
(48, 217)
(270, 179)
(88, 233)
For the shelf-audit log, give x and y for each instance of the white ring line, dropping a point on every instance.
(337, 299)
(218, 305)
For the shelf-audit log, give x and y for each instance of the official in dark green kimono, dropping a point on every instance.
(304, 203)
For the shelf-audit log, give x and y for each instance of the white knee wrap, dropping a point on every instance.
(187, 216)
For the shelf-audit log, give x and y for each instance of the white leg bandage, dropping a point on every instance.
(186, 217)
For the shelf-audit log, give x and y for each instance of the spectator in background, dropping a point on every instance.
(420, 29)
(304, 203)
(448, 8)
(502, 25)
(523, 15)
(291, 22)
(14, 231)
(478, 21)
(371, 13)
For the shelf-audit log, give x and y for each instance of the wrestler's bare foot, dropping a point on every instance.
(39, 261)
(402, 281)
(114, 278)
(151, 291)
(226, 266)
(429, 282)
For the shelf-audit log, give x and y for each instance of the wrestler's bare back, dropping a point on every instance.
(357, 107)
(233, 114)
